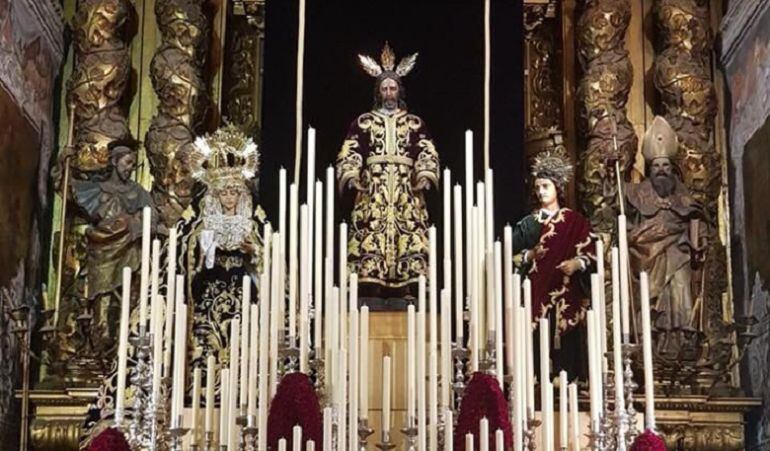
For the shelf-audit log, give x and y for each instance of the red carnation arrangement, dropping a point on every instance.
(648, 441)
(109, 439)
(482, 398)
(295, 403)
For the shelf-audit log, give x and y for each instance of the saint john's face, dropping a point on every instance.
(125, 165)
(228, 197)
(545, 191)
(389, 93)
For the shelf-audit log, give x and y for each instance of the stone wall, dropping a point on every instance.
(31, 50)
(745, 56)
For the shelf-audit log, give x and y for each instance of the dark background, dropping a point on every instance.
(445, 88)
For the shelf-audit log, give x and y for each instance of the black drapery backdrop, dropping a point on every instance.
(445, 88)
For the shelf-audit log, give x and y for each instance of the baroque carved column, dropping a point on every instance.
(544, 118)
(684, 82)
(603, 92)
(177, 77)
(99, 80)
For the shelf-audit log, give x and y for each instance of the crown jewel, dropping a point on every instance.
(226, 157)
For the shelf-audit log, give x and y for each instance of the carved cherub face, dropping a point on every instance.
(546, 192)
(389, 93)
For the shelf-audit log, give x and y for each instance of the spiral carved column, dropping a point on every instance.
(603, 94)
(177, 77)
(687, 99)
(99, 80)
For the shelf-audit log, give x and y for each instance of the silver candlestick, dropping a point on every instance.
(488, 363)
(249, 432)
(596, 437)
(140, 427)
(410, 431)
(177, 433)
(629, 350)
(208, 441)
(459, 354)
(529, 433)
(385, 444)
(364, 431)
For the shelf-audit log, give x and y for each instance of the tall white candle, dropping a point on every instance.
(489, 211)
(170, 298)
(433, 401)
(196, 404)
(264, 325)
(474, 324)
(304, 290)
(282, 208)
(224, 395)
(353, 365)
(332, 330)
(433, 288)
(317, 254)
(458, 259)
(508, 295)
(649, 381)
(447, 230)
(342, 405)
(411, 377)
(343, 283)
(144, 276)
(519, 365)
(421, 388)
(125, 306)
(624, 292)
(210, 377)
(596, 303)
(330, 182)
(545, 371)
(593, 372)
(310, 200)
(528, 345)
(449, 430)
(327, 428)
(276, 292)
(602, 299)
(245, 338)
(498, 307)
(232, 399)
(154, 280)
(574, 412)
(386, 375)
(481, 267)
(363, 401)
(253, 382)
(446, 349)
(484, 434)
(617, 355)
(563, 401)
(180, 338)
(294, 249)
(549, 417)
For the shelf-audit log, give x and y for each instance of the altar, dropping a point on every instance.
(298, 225)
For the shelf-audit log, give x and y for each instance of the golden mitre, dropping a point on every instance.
(660, 140)
(227, 157)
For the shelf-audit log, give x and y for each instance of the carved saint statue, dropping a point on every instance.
(666, 239)
(554, 247)
(224, 244)
(113, 207)
(388, 160)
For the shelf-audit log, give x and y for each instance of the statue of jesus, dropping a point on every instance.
(388, 160)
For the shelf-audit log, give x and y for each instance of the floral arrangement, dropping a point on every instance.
(295, 403)
(110, 439)
(483, 398)
(648, 441)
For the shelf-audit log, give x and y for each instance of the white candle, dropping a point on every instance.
(545, 371)
(498, 307)
(275, 295)
(458, 258)
(296, 439)
(253, 365)
(330, 340)
(327, 428)
(549, 416)
(245, 337)
(499, 440)
(224, 394)
(421, 389)
(449, 431)
(484, 434)
(196, 403)
(593, 376)
(433, 401)
(469, 441)
(617, 356)
(310, 445)
(125, 305)
(330, 182)
(529, 346)
(282, 208)
(232, 398)
(574, 418)
(177, 386)
(563, 423)
(386, 374)
(411, 378)
(364, 364)
(294, 246)
(602, 300)
(144, 279)
(596, 304)
(342, 390)
(446, 349)
(474, 324)
(310, 202)
(489, 209)
(304, 291)
(343, 283)
(170, 298)
(433, 288)
(281, 444)
(508, 296)
(317, 254)
(210, 377)
(154, 280)
(649, 381)
(264, 325)
(447, 230)
(353, 365)
(518, 375)
(482, 289)
(624, 293)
